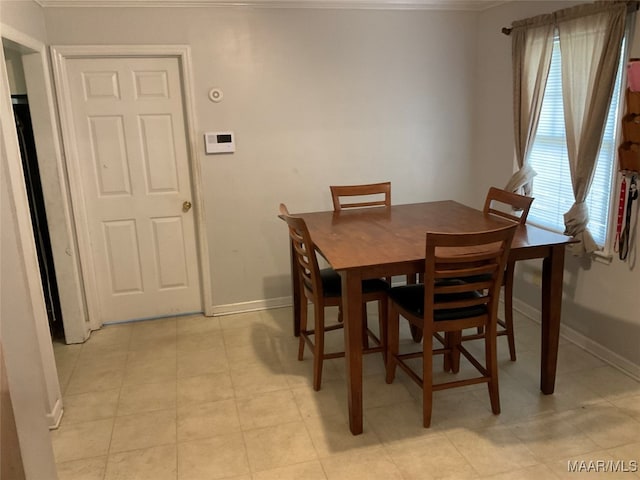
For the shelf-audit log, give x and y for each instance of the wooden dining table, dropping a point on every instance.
(385, 241)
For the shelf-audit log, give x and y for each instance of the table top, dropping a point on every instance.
(370, 237)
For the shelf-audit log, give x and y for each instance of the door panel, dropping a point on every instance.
(123, 259)
(133, 157)
(159, 157)
(109, 154)
(101, 85)
(170, 255)
(151, 84)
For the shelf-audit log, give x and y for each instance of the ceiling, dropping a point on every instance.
(472, 5)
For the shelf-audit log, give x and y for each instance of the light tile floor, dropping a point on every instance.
(194, 398)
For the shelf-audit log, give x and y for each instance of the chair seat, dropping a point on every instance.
(332, 283)
(411, 299)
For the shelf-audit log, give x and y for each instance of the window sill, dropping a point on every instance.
(602, 257)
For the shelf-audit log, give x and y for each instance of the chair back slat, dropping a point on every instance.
(465, 270)
(359, 196)
(305, 256)
(466, 286)
(518, 205)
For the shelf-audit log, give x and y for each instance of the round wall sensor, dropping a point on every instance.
(215, 95)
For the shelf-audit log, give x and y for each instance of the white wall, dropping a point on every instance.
(25, 16)
(15, 72)
(315, 97)
(600, 301)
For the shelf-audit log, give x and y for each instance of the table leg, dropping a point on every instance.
(295, 287)
(552, 273)
(352, 317)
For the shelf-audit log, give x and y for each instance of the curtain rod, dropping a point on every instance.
(632, 6)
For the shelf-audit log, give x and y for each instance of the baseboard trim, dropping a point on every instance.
(55, 416)
(253, 306)
(584, 342)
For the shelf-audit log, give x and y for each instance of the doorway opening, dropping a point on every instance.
(39, 222)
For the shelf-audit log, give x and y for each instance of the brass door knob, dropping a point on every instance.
(186, 206)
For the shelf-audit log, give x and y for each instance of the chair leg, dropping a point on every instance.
(455, 338)
(427, 382)
(393, 340)
(318, 353)
(304, 314)
(382, 319)
(508, 309)
(451, 359)
(365, 327)
(446, 358)
(491, 359)
(416, 333)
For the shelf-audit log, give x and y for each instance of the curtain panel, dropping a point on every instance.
(532, 45)
(590, 44)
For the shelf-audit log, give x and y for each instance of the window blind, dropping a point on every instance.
(552, 188)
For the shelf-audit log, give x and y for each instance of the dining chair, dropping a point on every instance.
(363, 196)
(323, 288)
(461, 289)
(516, 208)
(360, 196)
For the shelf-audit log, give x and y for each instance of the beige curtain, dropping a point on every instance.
(590, 44)
(532, 45)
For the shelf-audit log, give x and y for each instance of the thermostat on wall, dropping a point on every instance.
(219, 142)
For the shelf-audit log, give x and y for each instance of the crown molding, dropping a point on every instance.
(460, 5)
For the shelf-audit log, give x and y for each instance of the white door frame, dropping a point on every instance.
(60, 54)
(51, 386)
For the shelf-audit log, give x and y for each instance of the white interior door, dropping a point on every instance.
(129, 126)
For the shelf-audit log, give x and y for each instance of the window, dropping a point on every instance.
(548, 156)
